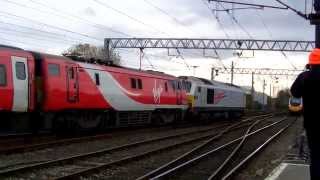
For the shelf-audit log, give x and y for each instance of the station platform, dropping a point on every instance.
(296, 164)
(290, 171)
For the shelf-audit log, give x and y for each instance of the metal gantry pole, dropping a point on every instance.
(232, 72)
(212, 74)
(140, 59)
(270, 105)
(107, 49)
(317, 31)
(263, 90)
(252, 90)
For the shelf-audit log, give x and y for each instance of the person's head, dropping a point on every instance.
(314, 58)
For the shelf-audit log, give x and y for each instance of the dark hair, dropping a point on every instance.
(314, 66)
(307, 67)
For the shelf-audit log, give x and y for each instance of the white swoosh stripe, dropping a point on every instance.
(115, 95)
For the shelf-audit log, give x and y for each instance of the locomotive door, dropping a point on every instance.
(178, 92)
(20, 84)
(72, 84)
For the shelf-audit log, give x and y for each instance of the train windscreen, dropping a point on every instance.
(295, 101)
(187, 85)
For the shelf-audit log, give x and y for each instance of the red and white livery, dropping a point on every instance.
(64, 92)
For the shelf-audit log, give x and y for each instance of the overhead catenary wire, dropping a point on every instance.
(270, 34)
(148, 60)
(128, 16)
(47, 12)
(64, 15)
(218, 21)
(237, 22)
(250, 4)
(221, 27)
(177, 21)
(52, 26)
(94, 24)
(22, 42)
(42, 33)
(32, 37)
(293, 9)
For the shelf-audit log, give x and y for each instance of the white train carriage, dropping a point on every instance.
(213, 98)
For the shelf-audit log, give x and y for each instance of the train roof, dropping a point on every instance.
(103, 63)
(210, 82)
(9, 47)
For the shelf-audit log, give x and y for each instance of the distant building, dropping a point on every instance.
(258, 96)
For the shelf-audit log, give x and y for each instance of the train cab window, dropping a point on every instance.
(54, 69)
(20, 71)
(97, 77)
(187, 86)
(166, 86)
(133, 83)
(199, 89)
(139, 84)
(295, 101)
(210, 96)
(3, 75)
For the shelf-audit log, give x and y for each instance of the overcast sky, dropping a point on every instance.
(54, 25)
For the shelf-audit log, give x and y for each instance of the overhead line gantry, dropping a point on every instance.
(216, 44)
(258, 71)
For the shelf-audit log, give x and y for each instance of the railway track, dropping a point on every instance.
(26, 142)
(34, 143)
(19, 144)
(90, 162)
(220, 162)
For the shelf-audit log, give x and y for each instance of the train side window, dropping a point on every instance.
(210, 96)
(20, 71)
(133, 83)
(97, 77)
(54, 69)
(173, 85)
(3, 75)
(166, 86)
(199, 89)
(183, 85)
(180, 85)
(139, 84)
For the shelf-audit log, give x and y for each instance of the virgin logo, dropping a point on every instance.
(218, 97)
(156, 92)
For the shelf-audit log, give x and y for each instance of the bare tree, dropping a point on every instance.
(88, 51)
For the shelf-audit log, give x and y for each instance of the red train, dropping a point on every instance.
(56, 92)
